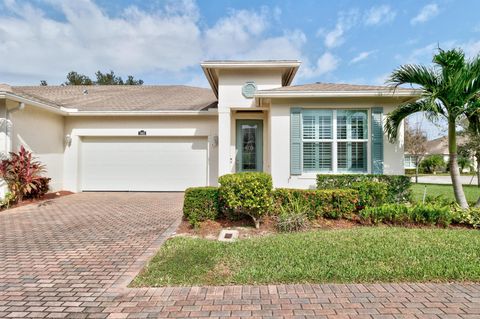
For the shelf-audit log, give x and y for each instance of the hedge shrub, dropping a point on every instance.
(329, 203)
(470, 217)
(247, 193)
(200, 204)
(398, 186)
(428, 214)
(370, 193)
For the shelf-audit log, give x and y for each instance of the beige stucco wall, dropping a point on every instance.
(279, 133)
(41, 132)
(79, 126)
(230, 83)
(230, 97)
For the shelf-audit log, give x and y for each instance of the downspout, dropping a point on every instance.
(8, 137)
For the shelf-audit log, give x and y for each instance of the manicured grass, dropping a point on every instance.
(472, 192)
(363, 254)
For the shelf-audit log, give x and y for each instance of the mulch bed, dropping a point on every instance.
(210, 229)
(48, 196)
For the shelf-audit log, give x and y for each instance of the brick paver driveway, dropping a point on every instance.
(73, 257)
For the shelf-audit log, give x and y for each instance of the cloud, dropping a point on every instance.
(235, 32)
(379, 15)
(380, 79)
(345, 21)
(168, 41)
(87, 39)
(326, 63)
(348, 19)
(426, 13)
(471, 48)
(361, 56)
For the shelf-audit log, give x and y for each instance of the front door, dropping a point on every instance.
(249, 146)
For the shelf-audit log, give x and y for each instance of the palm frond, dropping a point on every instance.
(472, 77)
(473, 116)
(395, 118)
(426, 77)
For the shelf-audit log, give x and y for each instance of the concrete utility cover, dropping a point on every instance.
(228, 235)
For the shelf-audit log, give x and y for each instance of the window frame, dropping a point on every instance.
(334, 140)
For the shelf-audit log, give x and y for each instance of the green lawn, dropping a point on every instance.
(472, 192)
(363, 254)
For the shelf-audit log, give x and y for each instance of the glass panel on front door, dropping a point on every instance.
(249, 145)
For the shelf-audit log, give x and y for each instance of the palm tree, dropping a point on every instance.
(448, 90)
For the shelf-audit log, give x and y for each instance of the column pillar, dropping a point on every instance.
(225, 159)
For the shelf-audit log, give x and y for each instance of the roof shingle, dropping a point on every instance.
(333, 87)
(122, 97)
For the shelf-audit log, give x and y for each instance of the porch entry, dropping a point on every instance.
(249, 146)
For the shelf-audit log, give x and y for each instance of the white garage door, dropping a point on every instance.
(143, 163)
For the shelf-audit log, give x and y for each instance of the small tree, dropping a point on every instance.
(43, 83)
(247, 193)
(415, 144)
(447, 89)
(433, 163)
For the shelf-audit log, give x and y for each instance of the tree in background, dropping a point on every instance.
(74, 78)
(43, 83)
(107, 78)
(448, 89)
(131, 81)
(432, 164)
(415, 144)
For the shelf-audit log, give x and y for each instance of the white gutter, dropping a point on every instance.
(143, 113)
(334, 94)
(24, 100)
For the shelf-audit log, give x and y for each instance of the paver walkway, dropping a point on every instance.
(74, 256)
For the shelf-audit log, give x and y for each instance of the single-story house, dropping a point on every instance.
(168, 138)
(437, 146)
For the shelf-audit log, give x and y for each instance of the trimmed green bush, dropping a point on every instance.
(247, 193)
(400, 214)
(398, 186)
(370, 193)
(431, 214)
(388, 213)
(200, 204)
(329, 203)
(470, 217)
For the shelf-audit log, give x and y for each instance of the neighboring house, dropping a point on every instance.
(409, 161)
(168, 138)
(439, 146)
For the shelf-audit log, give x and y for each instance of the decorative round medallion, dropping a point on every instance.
(249, 89)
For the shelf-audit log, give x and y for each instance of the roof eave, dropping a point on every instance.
(45, 106)
(336, 94)
(210, 67)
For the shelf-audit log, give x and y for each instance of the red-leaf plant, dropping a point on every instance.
(22, 173)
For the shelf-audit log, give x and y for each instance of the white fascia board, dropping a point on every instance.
(250, 64)
(333, 94)
(144, 113)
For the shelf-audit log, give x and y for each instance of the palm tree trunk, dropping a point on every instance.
(477, 204)
(454, 171)
(478, 170)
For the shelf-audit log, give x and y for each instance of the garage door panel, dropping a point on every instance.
(143, 163)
